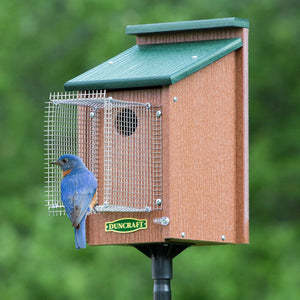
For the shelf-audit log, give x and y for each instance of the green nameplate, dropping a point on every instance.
(126, 225)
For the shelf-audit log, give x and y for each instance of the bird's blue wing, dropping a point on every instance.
(81, 206)
(77, 191)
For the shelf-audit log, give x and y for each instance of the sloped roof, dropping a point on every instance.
(153, 65)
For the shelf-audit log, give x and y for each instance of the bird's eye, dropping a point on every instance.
(64, 160)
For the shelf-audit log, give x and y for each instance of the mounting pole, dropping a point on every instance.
(161, 263)
(162, 273)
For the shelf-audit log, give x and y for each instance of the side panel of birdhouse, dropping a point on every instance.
(242, 133)
(97, 223)
(207, 156)
(189, 86)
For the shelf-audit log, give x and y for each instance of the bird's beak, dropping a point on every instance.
(54, 163)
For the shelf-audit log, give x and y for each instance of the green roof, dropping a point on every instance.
(187, 25)
(153, 65)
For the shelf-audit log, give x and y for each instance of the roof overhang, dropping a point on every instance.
(187, 26)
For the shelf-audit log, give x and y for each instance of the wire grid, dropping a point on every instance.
(130, 134)
(71, 127)
(132, 158)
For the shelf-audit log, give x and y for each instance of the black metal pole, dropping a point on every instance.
(162, 266)
(162, 289)
(162, 273)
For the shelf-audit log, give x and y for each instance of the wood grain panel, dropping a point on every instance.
(152, 96)
(202, 153)
(190, 36)
(97, 235)
(242, 159)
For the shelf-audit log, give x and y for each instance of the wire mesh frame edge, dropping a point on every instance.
(97, 99)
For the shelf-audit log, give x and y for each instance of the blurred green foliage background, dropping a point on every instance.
(45, 43)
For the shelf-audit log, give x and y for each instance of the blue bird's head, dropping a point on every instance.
(68, 162)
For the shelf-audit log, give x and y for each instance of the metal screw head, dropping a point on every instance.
(175, 99)
(158, 113)
(92, 114)
(165, 221)
(162, 221)
(158, 201)
(183, 234)
(223, 237)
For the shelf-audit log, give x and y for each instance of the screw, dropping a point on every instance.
(162, 221)
(92, 114)
(223, 237)
(175, 99)
(165, 221)
(183, 234)
(158, 113)
(158, 201)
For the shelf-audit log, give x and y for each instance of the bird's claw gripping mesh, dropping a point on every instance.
(119, 141)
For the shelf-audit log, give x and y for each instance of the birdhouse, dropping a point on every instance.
(164, 128)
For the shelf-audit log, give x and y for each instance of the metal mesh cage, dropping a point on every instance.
(119, 141)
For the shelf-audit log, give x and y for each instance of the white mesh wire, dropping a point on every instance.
(132, 158)
(120, 142)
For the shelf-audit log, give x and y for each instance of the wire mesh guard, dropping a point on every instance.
(119, 141)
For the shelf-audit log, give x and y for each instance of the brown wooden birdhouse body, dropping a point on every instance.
(177, 138)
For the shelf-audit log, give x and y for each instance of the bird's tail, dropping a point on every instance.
(80, 239)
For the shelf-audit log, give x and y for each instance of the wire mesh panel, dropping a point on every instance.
(132, 158)
(120, 142)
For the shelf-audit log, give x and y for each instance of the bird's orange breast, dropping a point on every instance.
(66, 172)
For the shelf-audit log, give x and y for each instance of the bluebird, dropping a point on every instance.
(78, 193)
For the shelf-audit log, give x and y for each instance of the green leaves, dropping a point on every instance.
(46, 43)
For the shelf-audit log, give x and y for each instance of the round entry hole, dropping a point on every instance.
(126, 122)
